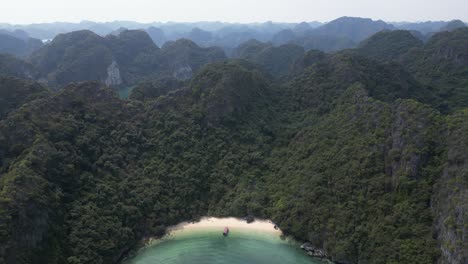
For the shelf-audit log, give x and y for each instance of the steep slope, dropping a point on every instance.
(443, 64)
(276, 61)
(135, 58)
(451, 192)
(452, 25)
(226, 91)
(302, 28)
(354, 28)
(16, 92)
(157, 35)
(72, 57)
(118, 61)
(11, 66)
(154, 89)
(18, 47)
(345, 155)
(440, 64)
(283, 37)
(328, 76)
(18, 33)
(50, 191)
(325, 42)
(336, 187)
(339, 34)
(423, 27)
(250, 49)
(201, 37)
(35, 188)
(389, 45)
(312, 40)
(185, 58)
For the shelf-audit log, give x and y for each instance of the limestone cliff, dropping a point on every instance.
(113, 75)
(450, 200)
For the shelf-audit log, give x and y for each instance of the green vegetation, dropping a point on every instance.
(451, 190)
(152, 90)
(347, 152)
(16, 92)
(275, 61)
(389, 45)
(440, 64)
(327, 43)
(19, 47)
(452, 25)
(339, 34)
(11, 66)
(353, 28)
(77, 56)
(123, 60)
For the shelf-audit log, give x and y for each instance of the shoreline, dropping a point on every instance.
(207, 223)
(236, 226)
(217, 224)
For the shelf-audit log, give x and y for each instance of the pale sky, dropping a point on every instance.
(38, 11)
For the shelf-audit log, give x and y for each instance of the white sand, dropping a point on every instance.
(213, 223)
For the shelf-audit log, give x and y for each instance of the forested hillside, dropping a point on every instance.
(440, 64)
(362, 152)
(17, 44)
(122, 60)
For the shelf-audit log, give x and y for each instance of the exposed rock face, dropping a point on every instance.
(249, 219)
(450, 202)
(73, 57)
(409, 135)
(127, 58)
(183, 73)
(313, 251)
(113, 75)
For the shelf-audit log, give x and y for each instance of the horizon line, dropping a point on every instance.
(219, 21)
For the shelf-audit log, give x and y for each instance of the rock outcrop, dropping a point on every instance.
(410, 133)
(183, 73)
(313, 251)
(113, 75)
(450, 201)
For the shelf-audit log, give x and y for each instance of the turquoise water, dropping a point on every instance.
(210, 247)
(124, 93)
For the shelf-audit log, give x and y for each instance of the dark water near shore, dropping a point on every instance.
(207, 247)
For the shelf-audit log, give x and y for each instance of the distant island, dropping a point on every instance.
(351, 136)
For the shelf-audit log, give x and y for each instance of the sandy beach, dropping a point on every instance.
(213, 223)
(202, 242)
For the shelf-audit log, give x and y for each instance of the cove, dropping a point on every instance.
(206, 244)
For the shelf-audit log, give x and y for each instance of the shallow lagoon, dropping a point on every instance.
(210, 246)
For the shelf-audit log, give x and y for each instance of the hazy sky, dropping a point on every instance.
(36, 11)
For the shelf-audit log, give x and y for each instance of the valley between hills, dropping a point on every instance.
(351, 136)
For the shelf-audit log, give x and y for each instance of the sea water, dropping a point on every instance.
(211, 247)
